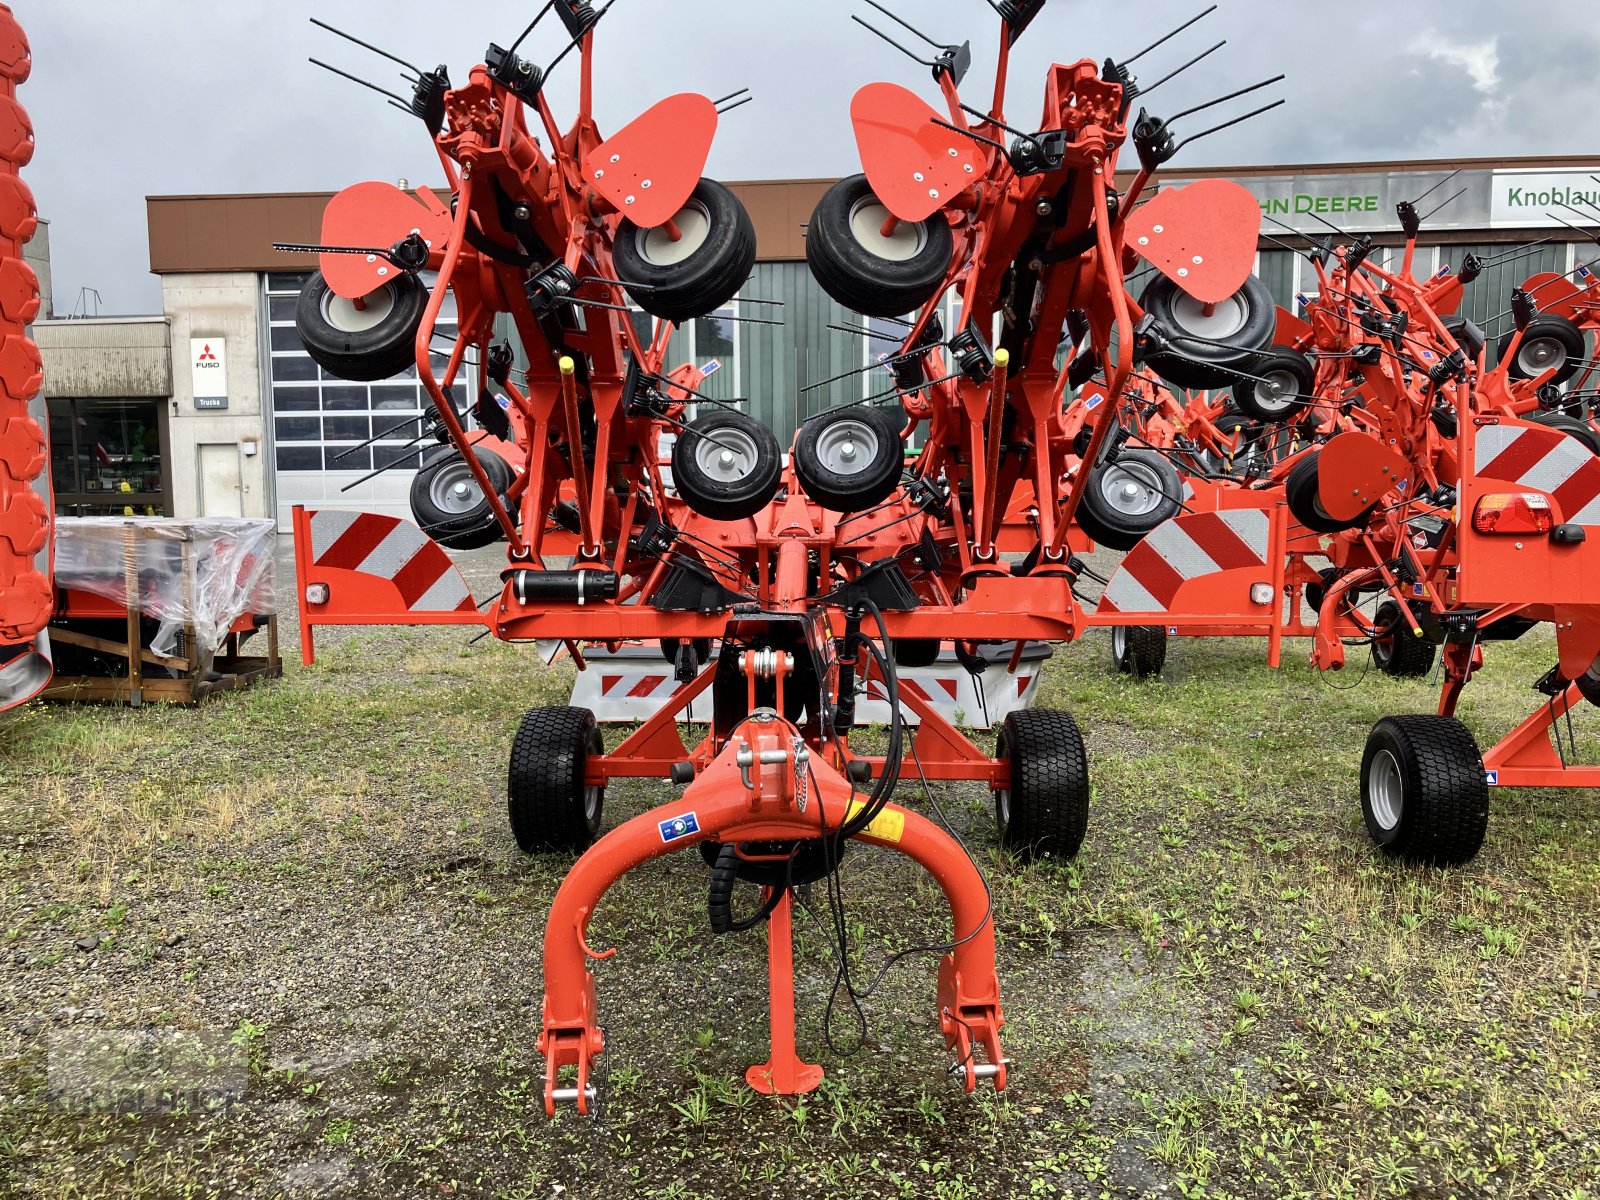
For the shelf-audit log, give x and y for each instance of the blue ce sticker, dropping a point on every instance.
(1492, 778)
(677, 828)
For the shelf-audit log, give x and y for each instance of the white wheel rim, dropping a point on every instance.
(343, 315)
(867, 220)
(454, 490)
(1119, 643)
(1225, 320)
(1132, 489)
(1277, 391)
(658, 249)
(1385, 791)
(848, 447)
(1540, 355)
(731, 458)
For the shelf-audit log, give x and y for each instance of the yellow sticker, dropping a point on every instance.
(887, 826)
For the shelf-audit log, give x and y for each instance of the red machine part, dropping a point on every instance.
(1203, 237)
(26, 514)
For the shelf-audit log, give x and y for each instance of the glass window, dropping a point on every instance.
(294, 368)
(345, 398)
(348, 458)
(294, 400)
(346, 429)
(281, 308)
(285, 337)
(298, 429)
(105, 457)
(299, 458)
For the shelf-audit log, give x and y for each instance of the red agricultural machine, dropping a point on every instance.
(814, 576)
(26, 517)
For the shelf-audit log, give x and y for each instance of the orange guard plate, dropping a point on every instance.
(374, 215)
(914, 166)
(656, 160)
(1354, 472)
(1202, 237)
(1554, 294)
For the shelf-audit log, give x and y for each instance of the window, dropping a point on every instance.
(105, 457)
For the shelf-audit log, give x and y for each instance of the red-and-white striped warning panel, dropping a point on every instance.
(393, 550)
(1154, 576)
(1541, 459)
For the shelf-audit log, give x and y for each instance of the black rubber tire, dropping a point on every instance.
(1045, 811)
(862, 280)
(1139, 650)
(916, 652)
(1468, 336)
(1554, 335)
(473, 528)
(708, 278)
(549, 805)
(727, 499)
(1584, 432)
(1249, 455)
(388, 349)
(878, 477)
(1108, 526)
(1195, 363)
(1442, 812)
(1295, 376)
(1399, 653)
(1300, 490)
(1589, 683)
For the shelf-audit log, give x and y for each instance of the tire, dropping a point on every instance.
(1589, 683)
(1243, 324)
(1283, 389)
(1139, 650)
(549, 805)
(1127, 498)
(1399, 654)
(1300, 490)
(1045, 810)
(726, 465)
(1249, 453)
(916, 652)
(866, 272)
(1573, 427)
(1549, 341)
(1423, 791)
(701, 271)
(851, 459)
(450, 507)
(361, 345)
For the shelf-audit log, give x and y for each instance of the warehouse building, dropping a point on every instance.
(231, 416)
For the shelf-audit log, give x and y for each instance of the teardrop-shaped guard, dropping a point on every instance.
(375, 215)
(1554, 294)
(1354, 472)
(914, 166)
(649, 168)
(1202, 237)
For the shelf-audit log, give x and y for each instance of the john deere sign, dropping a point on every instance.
(1365, 203)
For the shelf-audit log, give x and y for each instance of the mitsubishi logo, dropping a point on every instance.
(207, 356)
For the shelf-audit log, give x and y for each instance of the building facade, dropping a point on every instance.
(253, 427)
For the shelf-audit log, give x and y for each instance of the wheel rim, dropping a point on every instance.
(731, 458)
(1225, 320)
(658, 249)
(343, 315)
(1539, 355)
(1002, 796)
(1119, 643)
(1132, 489)
(454, 490)
(1277, 391)
(1385, 790)
(867, 219)
(848, 447)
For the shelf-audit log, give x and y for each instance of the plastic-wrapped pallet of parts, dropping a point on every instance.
(25, 497)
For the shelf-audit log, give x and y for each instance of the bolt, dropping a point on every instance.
(382, 271)
(599, 174)
(1144, 241)
(630, 199)
(1044, 208)
(1159, 229)
(968, 168)
(1198, 260)
(1130, 491)
(727, 458)
(461, 491)
(933, 193)
(954, 153)
(645, 184)
(918, 176)
(616, 158)
(1183, 272)
(372, 258)
(522, 212)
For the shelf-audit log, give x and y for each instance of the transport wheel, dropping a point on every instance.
(916, 652)
(726, 465)
(1549, 341)
(850, 460)
(1139, 650)
(701, 271)
(1423, 790)
(1127, 498)
(1398, 652)
(1589, 683)
(1573, 427)
(866, 270)
(1300, 490)
(1282, 389)
(375, 341)
(1208, 347)
(1045, 810)
(551, 807)
(451, 508)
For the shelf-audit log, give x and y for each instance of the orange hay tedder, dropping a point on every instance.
(816, 575)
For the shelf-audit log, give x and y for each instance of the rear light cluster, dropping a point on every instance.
(1514, 513)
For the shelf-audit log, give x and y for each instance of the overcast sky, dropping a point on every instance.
(131, 98)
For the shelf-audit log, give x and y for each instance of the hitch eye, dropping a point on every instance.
(317, 593)
(1514, 513)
